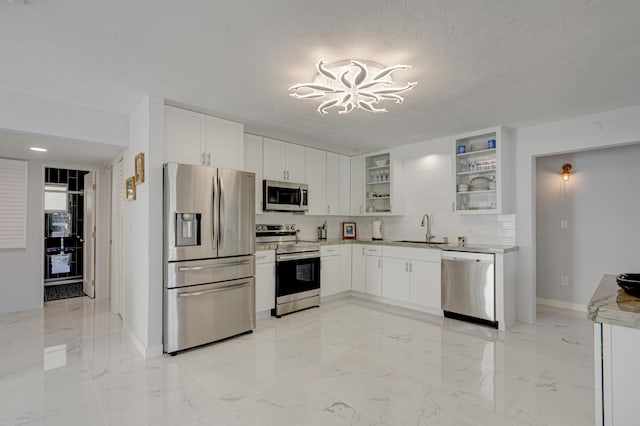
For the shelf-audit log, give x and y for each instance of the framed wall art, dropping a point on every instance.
(139, 168)
(130, 188)
(348, 230)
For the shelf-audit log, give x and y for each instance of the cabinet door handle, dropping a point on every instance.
(410, 268)
(406, 267)
(328, 209)
(209, 158)
(287, 174)
(378, 263)
(284, 175)
(360, 209)
(202, 162)
(453, 206)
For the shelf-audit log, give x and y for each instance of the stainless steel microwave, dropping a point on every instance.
(284, 196)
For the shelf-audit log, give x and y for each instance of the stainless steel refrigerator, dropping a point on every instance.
(209, 263)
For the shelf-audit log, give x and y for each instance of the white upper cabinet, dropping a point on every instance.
(384, 185)
(184, 133)
(481, 172)
(338, 188)
(283, 161)
(316, 170)
(357, 186)
(195, 138)
(253, 163)
(224, 143)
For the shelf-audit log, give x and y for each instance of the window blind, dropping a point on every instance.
(13, 203)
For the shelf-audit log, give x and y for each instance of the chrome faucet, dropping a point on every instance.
(427, 220)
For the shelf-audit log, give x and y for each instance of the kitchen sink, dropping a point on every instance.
(431, 243)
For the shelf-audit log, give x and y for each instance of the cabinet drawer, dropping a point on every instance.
(265, 256)
(329, 250)
(373, 250)
(426, 254)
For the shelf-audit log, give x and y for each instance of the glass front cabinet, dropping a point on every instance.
(383, 189)
(481, 166)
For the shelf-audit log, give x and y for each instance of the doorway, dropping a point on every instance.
(69, 233)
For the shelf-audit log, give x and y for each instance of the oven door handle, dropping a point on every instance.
(297, 256)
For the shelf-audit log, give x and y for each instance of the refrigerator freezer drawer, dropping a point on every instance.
(205, 313)
(194, 272)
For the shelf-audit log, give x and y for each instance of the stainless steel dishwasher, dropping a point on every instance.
(468, 287)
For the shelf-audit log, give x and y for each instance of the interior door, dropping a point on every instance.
(89, 235)
(236, 232)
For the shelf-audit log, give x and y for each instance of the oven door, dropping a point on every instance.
(295, 274)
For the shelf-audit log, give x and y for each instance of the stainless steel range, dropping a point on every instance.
(297, 267)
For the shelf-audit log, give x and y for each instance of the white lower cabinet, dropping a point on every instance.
(329, 270)
(425, 284)
(265, 280)
(357, 268)
(396, 279)
(617, 350)
(412, 275)
(344, 277)
(373, 270)
(335, 269)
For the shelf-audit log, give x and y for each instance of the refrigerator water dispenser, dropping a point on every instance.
(187, 229)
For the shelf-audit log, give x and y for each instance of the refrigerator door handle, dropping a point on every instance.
(215, 290)
(221, 214)
(214, 214)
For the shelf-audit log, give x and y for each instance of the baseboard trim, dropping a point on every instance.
(341, 295)
(561, 304)
(151, 352)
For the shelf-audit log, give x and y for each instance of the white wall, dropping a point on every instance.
(143, 230)
(21, 281)
(604, 129)
(33, 114)
(602, 207)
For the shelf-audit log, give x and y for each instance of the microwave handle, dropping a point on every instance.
(300, 190)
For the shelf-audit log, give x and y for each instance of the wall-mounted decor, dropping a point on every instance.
(130, 188)
(348, 230)
(139, 165)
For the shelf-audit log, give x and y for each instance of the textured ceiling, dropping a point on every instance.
(477, 63)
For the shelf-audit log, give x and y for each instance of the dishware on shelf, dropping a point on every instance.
(480, 183)
(491, 144)
(463, 187)
(381, 163)
(462, 149)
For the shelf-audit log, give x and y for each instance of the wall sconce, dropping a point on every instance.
(566, 171)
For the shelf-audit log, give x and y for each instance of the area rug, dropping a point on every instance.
(63, 291)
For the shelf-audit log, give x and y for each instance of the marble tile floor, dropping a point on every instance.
(350, 362)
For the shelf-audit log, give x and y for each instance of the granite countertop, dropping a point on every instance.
(476, 248)
(611, 305)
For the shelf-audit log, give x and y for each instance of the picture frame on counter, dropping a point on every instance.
(348, 230)
(139, 168)
(130, 188)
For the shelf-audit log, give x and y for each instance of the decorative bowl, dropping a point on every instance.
(630, 283)
(463, 187)
(381, 163)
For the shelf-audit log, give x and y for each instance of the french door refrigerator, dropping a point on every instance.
(209, 263)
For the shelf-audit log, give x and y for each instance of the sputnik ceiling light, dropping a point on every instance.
(352, 84)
